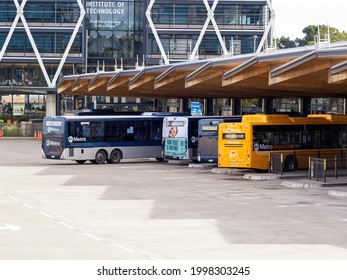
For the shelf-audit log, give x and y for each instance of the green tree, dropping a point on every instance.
(285, 43)
(311, 37)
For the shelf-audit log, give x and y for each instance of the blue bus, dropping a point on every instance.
(181, 137)
(101, 139)
(208, 138)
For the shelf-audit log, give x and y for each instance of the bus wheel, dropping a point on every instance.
(289, 163)
(80, 161)
(115, 156)
(159, 159)
(100, 157)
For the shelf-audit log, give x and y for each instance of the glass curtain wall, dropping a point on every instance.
(184, 19)
(51, 24)
(115, 30)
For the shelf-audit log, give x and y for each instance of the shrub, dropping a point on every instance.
(12, 131)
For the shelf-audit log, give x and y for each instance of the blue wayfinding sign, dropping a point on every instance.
(195, 109)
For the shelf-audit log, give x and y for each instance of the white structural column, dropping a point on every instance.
(69, 45)
(155, 33)
(13, 27)
(20, 15)
(51, 104)
(210, 17)
(269, 28)
(268, 32)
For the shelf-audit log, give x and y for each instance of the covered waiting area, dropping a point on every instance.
(310, 71)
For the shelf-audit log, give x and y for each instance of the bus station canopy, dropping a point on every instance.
(298, 72)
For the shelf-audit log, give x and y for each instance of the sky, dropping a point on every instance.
(292, 16)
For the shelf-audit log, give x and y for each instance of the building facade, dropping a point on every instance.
(42, 41)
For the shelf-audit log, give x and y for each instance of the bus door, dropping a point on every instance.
(52, 137)
(233, 145)
(208, 140)
(175, 137)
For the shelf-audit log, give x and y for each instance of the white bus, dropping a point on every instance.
(180, 135)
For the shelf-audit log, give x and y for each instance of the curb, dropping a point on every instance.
(337, 193)
(300, 185)
(179, 162)
(220, 170)
(202, 165)
(260, 177)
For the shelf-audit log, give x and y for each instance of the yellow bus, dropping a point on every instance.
(247, 144)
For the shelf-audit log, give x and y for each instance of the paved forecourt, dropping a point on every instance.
(144, 209)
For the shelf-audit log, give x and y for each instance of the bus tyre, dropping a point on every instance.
(115, 156)
(100, 157)
(289, 163)
(80, 161)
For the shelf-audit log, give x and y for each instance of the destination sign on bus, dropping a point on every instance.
(209, 128)
(54, 123)
(175, 123)
(233, 136)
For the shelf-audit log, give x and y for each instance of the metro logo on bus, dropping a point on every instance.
(72, 139)
(262, 147)
(52, 143)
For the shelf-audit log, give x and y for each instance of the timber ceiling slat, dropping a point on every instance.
(65, 87)
(300, 71)
(338, 73)
(244, 75)
(116, 81)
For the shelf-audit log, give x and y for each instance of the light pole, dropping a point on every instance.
(254, 42)
(86, 55)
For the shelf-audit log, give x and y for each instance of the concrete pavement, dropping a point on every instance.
(143, 209)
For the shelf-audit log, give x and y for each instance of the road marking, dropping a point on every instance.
(175, 178)
(9, 227)
(124, 248)
(47, 215)
(2, 192)
(13, 198)
(92, 236)
(70, 227)
(29, 206)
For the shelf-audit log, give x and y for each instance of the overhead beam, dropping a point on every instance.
(65, 87)
(97, 83)
(116, 81)
(167, 77)
(294, 63)
(198, 71)
(79, 83)
(295, 73)
(338, 73)
(240, 68)
(240, 77)
(140, 79)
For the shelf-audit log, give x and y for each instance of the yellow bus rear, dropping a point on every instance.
(234, 145)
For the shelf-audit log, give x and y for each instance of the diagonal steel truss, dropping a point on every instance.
(210, 18)
(20, 15)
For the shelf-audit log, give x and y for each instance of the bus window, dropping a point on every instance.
(344, 139)
(129, 134)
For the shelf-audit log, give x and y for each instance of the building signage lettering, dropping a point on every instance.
(105, 8)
